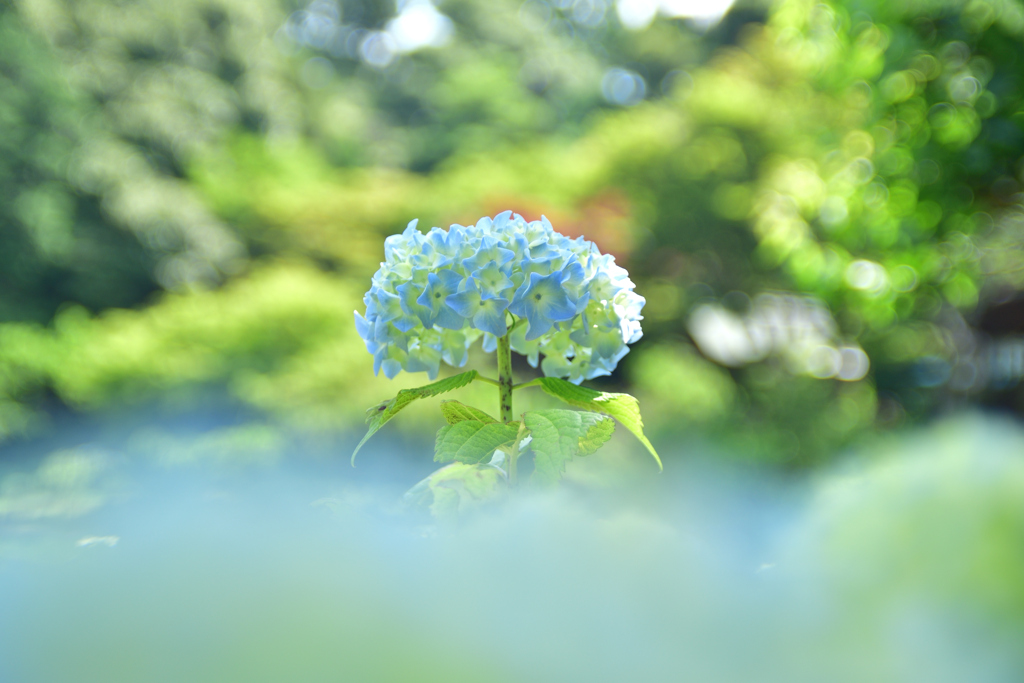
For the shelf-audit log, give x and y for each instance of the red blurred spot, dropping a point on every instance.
(604, 219)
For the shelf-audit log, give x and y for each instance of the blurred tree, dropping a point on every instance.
(54, 242)
(794, 187)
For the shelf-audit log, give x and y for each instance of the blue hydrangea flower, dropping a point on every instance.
(487, 312)
(437, 293)
(440, 286)
(542, 301)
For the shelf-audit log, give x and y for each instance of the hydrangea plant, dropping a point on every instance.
(516, 285)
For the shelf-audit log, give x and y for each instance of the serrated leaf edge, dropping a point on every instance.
(548, 384)
(425, 391)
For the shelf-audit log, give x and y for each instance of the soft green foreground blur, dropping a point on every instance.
(136, 558)
(820, 201)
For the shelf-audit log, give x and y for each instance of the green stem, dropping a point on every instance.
(488, 380)
(524, 385)
(513, 457)
(505, 379)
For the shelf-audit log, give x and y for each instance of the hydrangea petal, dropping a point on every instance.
(492, 280)
(465, 303)
(408, 294)
(542, 302)
(490, 316)
(454, 348)
(440, 286)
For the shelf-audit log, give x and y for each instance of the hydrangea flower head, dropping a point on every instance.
(437, 293)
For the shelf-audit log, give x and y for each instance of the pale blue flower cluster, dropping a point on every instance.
(437, 293)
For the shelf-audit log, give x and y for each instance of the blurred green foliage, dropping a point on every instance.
(903, 564)
(54, 241)
(195, 194)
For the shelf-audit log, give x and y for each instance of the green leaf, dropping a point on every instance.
(456, 487)
(458, 412)
(471, 442)
(560, 435)
(622, 407)
(596, 436)
(379, 415)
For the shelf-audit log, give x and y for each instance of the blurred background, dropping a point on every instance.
(821, 201)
